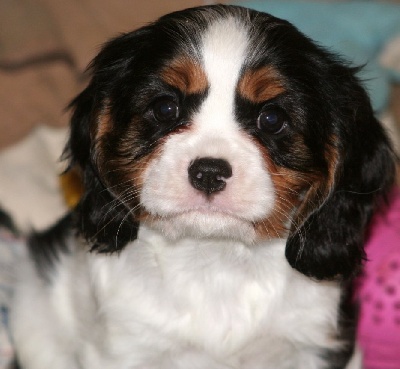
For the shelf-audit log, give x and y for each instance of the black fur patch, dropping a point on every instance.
(348, 318)
(7, 222)
(45, 248)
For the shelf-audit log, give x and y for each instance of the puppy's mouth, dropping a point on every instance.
(202, 222)
(210, 212)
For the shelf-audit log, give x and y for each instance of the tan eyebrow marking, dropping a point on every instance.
(260, 84)
(185, 74)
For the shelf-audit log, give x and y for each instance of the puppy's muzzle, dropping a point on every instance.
(209, 175)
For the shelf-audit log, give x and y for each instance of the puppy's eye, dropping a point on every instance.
(272, 120)
(165, 110)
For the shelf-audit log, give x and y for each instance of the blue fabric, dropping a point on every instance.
(358, 30)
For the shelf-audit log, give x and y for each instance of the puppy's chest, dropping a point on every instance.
(184, 292)
(212, 295)
(220, 309)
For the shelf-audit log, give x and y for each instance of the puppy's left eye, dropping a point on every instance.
(165, 110)
(272, 120)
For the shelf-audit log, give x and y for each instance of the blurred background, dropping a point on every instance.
(45, 46)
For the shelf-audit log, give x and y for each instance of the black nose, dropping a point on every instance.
(208, 174)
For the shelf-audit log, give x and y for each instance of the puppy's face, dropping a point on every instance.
(223, 122)
(204, 140)
(211, 175)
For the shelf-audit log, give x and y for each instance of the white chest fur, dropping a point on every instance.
(221, 297)
(189, 304)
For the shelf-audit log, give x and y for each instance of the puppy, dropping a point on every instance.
(230, 168)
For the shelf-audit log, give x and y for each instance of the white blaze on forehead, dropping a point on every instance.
(214, 131)
(223, 50)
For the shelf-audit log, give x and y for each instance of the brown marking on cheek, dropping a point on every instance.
(288, 186)
(114, 158)
(297, 194)
(261, 84)
(186, 75)
(139, 168)
(120, 163)
(132, 180)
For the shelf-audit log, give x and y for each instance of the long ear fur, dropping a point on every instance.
(100, 217)
(327, 236)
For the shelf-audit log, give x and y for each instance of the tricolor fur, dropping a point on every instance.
(230, 169)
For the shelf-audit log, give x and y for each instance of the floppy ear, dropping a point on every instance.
(327, 234)
(101, 217)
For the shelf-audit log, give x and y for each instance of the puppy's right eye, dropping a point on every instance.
(272, 120)
(165, 110)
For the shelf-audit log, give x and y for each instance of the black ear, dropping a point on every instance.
(100, 217)
(327, 235)
(103, 144)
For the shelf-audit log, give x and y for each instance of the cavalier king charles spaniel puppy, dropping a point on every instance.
(230, 168)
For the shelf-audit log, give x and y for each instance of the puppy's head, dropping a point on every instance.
(224, 122)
